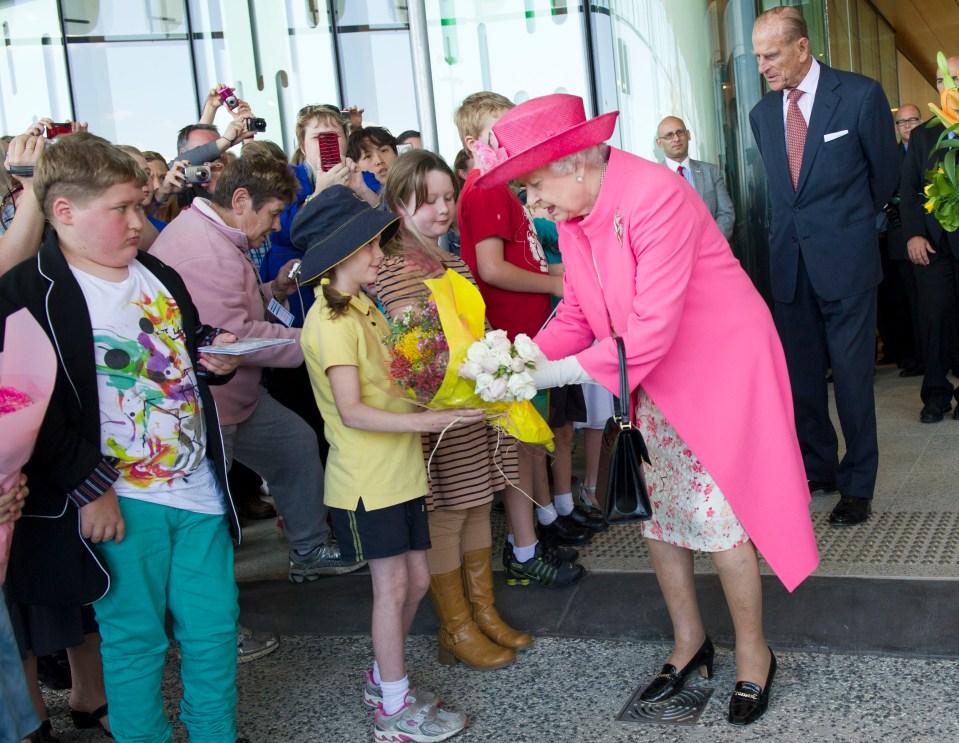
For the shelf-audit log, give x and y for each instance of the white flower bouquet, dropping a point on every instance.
(500, 369)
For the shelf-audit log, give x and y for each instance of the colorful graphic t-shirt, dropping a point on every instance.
(151, 418)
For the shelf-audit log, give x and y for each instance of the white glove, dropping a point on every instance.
(559, 373)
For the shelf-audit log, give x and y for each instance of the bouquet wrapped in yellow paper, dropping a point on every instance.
(462, 311)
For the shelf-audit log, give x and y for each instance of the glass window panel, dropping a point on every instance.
(307, 73)
(888, 62)
(868, 41)
(520, 50)
(119, 104)
(110, 18)
(33, 70)
(387, 98)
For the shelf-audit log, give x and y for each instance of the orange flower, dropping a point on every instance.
(949, 113)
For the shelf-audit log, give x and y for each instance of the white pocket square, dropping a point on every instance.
(834, 135)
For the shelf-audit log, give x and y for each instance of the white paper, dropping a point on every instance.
(247, 345)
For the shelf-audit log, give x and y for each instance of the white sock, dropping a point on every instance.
(522, 554)
(509, 538)
(563, 504)
(394, 694)
(376, 673)
(546, 514)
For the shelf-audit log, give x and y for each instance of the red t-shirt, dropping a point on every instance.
(497, 212)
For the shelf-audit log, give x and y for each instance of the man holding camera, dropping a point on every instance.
(209, 246)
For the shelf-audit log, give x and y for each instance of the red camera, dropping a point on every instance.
(55, 130)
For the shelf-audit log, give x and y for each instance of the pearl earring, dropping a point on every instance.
(579, 179)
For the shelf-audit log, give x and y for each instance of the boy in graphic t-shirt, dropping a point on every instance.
(130, 447)
(499, 244)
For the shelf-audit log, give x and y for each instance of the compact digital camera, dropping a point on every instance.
(197, 174)
(55, 130)
(256, 125)
(228, 96)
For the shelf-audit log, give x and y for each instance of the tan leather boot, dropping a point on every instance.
(459, 637)
(478, 579)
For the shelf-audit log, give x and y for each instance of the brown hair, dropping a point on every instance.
(263, 148)
(80, 168)
(407, 178)
(791, 22)
(323, 113)
(336, 301)
(263, 177)
(475, 109)
(152, 155)
(460, 162)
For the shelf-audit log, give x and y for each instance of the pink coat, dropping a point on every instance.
(698, 338)
(212, 258)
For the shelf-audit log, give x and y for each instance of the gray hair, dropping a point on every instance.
(595, 155)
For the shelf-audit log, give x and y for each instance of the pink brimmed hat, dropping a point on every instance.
(541, 130)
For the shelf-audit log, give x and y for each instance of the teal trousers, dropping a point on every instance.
(179, 561)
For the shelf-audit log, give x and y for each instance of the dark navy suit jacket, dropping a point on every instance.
(843, 183)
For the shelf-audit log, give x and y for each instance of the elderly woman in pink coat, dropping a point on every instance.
(645, 261)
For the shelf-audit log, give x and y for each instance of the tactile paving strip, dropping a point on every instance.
(683, 709)
(889, 544)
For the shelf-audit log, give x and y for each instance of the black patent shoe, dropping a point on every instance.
(590, 519)
(670, 681)
(563, 531)
(748, 701)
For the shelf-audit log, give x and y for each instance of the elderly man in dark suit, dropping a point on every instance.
(673, 137)
(826, 138)
(935, 254)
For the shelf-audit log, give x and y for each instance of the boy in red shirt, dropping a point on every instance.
(499, 244)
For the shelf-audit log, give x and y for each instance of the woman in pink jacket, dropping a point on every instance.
(645, 261)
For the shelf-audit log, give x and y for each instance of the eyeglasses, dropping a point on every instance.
(910, 120)
(670, 136)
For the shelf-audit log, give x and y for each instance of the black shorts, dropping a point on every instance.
(566, 404)
(385, 532)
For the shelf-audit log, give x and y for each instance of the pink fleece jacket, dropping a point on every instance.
(213, 260)
(698, 338)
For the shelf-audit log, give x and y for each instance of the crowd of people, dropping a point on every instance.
(157, 444)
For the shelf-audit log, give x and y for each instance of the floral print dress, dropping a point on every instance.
(689, 509)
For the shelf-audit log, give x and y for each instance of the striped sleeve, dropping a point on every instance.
(99, 482)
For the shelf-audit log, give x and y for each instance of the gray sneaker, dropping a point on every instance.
(373, 693)
(416, 722)
(251, 644)
(324, 560)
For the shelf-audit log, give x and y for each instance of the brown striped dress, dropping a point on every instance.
(465, 470)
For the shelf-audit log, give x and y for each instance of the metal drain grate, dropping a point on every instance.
(683, 709)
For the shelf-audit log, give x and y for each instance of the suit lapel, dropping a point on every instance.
(822, 111)
(779, 159)
(699, 182)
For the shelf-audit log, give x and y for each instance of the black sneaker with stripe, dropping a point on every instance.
(544, 567)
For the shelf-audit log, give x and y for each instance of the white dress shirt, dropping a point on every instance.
(808, 86)
(687, 170)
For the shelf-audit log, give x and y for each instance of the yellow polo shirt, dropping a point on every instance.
(382, 469)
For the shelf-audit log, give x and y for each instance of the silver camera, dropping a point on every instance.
(197, 174)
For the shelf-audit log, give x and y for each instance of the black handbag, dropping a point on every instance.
(621, 482)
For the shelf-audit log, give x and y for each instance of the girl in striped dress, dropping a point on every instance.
(467, 467)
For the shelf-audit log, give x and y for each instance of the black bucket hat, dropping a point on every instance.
(333, 225)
